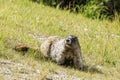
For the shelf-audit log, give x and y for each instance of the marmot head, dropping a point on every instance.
(71, 41)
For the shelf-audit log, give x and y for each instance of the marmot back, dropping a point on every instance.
(45, 46)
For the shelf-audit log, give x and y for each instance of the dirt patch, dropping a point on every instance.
(61, 75)
(14, 71)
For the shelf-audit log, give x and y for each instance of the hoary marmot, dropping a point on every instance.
(60, 49)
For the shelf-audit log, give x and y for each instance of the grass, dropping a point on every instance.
(100, 40)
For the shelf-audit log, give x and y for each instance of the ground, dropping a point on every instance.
(19, 71)
(15, 70)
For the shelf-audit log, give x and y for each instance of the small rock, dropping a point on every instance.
(38, 71)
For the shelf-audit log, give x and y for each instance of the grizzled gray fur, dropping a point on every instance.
(61, 49)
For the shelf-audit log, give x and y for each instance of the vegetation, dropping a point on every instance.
(91, 8)
(100, 40)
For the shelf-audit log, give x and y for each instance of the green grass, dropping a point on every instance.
(100, 40)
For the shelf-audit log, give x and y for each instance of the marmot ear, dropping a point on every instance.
(75, 37)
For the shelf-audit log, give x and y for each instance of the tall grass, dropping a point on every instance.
(101, 9)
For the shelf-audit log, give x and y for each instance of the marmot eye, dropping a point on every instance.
(68, 41)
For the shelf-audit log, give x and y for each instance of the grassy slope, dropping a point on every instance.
(100, 40)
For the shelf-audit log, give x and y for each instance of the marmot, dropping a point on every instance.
(60, 49)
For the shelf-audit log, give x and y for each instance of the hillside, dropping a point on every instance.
(23, 21)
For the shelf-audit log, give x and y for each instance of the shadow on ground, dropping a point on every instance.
(87, 68)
